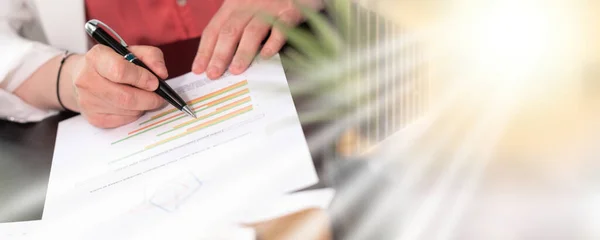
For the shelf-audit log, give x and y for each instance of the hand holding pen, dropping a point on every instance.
(94, 29)
(108, 90)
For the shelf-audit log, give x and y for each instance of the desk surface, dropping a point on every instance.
(26, 156)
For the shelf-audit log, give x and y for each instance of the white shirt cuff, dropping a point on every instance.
(12, 108)
(27, 57)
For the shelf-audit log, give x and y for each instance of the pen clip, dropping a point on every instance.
(98, 22)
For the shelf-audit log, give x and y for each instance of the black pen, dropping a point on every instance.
(164, 90)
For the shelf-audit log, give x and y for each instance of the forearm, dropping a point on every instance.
(39, 90)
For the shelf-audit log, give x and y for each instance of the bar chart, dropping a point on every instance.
(213, 108)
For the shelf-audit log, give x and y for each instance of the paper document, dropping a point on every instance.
(266, 209)
(278, 206)
(247, 137)
(17, 230)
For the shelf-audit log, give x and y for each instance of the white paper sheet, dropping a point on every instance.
(24, 230)
(268, 208)
(278, 206)
(163, 164)
(17, 230)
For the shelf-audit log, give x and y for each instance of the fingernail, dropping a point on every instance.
(152, 84)
(236, 66)
(163, 69)
(212, 72)
(266, 52)
(198, 66)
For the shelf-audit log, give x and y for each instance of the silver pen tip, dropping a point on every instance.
(188, 111)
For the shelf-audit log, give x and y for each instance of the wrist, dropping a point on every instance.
(68, 95)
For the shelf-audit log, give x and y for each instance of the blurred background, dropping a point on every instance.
(457, 119)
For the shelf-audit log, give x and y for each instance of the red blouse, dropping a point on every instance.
(154, 22)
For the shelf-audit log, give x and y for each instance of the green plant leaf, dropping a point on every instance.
(340, 12)
(327, 34)
(300, 61)
(299, 38)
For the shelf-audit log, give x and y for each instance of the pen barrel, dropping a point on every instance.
(104, 38)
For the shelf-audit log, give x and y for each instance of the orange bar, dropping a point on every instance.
(223, 99)
(167, 140)
(154, 124)
(162, 114)
(196, 128)
(221, 118)
(161, 121)
(197, 119)
(196, 100)
(234, 103)
(202, 98)
(217, 111)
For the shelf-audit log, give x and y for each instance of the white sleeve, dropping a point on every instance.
(19, 59)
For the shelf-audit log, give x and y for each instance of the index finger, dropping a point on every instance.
(208, 41)
(230, 34)
(115, 68)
